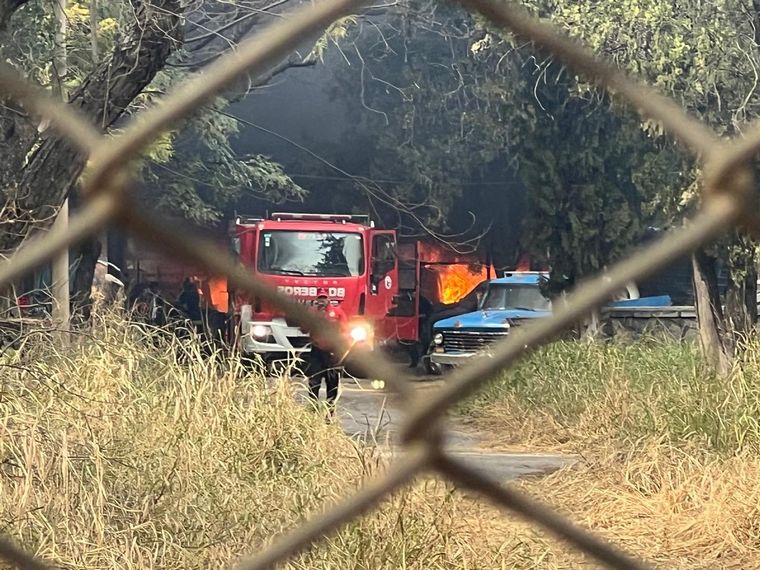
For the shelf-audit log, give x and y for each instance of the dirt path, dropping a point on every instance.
(365, 412)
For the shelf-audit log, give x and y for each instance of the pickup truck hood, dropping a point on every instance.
(496, 319)
(488, 319)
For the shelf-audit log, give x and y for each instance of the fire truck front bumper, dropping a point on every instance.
(276, 336)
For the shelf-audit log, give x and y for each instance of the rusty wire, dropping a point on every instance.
(726, 187)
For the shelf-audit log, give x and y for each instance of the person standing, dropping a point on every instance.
(189, 301)
(322, 363)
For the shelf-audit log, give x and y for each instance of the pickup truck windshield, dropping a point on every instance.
(328, 254)
(506, 297)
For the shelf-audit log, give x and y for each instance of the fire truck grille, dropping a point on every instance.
(470, 341)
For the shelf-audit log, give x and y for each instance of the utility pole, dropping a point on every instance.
(95, 51)
(60, 288)
(94, 21)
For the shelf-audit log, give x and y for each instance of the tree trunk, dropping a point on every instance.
(741, 302)
(716, 347)
(85, 256)
(741, 296)
(591, 328)
(54, 163)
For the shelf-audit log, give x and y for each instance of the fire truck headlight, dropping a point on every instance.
(359, 333)
(260, 331)
(438, 339)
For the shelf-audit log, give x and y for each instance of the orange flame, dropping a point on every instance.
(217, 287)
(455, 281)
(523, 264)
(213, 290)
(455, 274)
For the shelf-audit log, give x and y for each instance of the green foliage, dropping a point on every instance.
(474, 106)
(192, 171)
(577, 159)
(467, 101)
(704, 54)
(197, 174)
(32, 45)
(161, 150)
(29, 46)
(620, 393)
(335, 33)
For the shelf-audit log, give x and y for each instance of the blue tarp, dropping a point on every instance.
(657, 301)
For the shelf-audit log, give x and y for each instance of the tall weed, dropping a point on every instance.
(586, 392)
(130, 448)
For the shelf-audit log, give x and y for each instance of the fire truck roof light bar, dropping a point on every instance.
(518, 273)
(343, 218)
(248, 219)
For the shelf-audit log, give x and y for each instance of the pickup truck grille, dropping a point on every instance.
(470, 341)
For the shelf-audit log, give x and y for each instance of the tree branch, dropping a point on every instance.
(54, 165)
(7, 8)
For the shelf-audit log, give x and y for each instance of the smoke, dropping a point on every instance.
(324, 136)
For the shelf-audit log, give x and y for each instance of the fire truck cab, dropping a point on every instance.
(340, 256)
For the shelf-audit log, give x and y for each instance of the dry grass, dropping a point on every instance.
(668, 453)
(582, 396)
(127, 449)
(676, 510)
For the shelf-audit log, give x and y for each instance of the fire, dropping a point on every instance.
(213, 291)
(433, 252)
(217, 287)
(450, 275)
(455, 281)
(523, 264)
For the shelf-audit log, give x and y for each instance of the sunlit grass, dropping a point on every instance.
(127, 448)
(575, 392)
(668, 453)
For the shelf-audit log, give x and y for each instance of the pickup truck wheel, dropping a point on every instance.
(431, 367)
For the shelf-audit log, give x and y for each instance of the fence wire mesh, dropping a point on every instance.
(726, 187)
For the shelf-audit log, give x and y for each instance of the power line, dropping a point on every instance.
(388, 181)
(363, 182)
(347, 177)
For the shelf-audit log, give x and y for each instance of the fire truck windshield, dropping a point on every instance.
(328, 254)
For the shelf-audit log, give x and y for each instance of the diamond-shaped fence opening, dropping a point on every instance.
(726, 186)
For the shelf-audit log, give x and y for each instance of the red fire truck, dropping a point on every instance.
(343, 257)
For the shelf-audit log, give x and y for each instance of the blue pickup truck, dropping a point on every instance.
(509, 302)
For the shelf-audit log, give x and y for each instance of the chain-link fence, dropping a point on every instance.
(726, 187)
